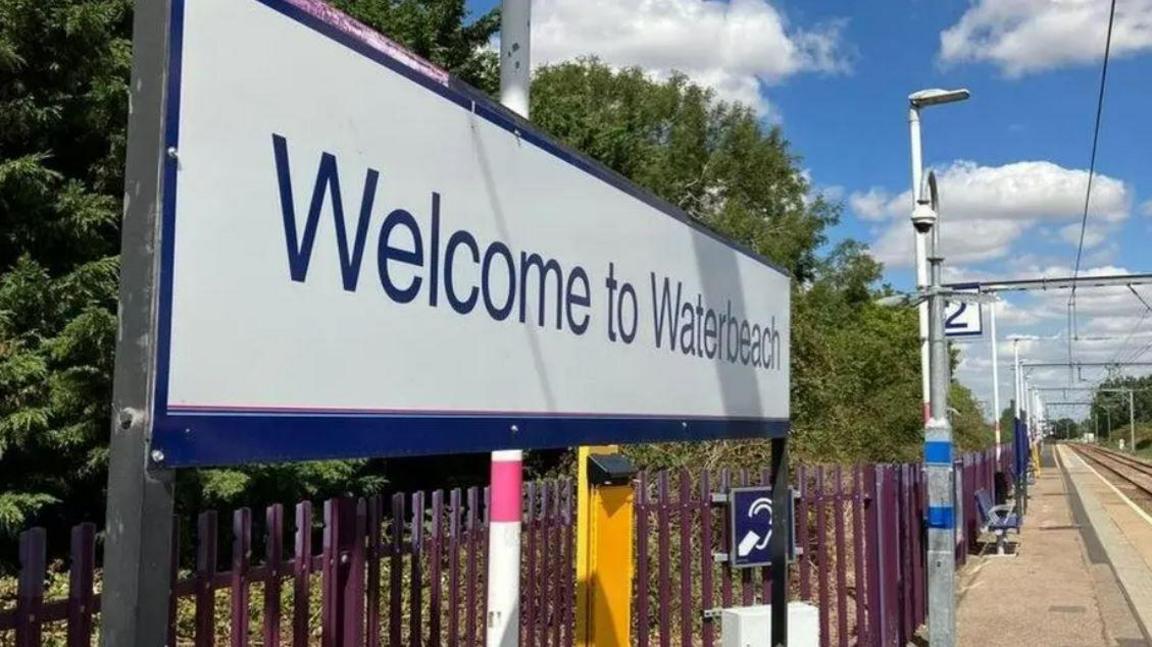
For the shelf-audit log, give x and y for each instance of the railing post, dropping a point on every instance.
(859, 555)
(822, 543)
(841, 563)
(343, 606)
(302, 575)
(887, 538)
(875, 555)
(274, 557)
(205, 572)
(80, 579)
(241, 549)
(30, 589)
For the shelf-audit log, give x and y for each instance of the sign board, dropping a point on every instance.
(752, 522)
(362, 257)
(963, 318)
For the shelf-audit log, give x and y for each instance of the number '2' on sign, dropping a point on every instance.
(963, 319)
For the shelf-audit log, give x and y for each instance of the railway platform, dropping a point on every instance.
(1068, 582)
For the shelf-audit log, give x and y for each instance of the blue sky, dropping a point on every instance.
(1013, 159)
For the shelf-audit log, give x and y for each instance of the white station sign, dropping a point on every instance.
(364, 257)
(964, 318)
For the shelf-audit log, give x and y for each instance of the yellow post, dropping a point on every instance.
(603, 558)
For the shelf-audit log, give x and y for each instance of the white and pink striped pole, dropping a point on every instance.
(504, 549)
(505, 507)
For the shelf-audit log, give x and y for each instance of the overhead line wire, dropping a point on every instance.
(1091, 173)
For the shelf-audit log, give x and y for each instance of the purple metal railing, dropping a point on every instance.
(409, 570)
(860, 528)
(424, 570)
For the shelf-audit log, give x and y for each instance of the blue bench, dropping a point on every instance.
(998, 519)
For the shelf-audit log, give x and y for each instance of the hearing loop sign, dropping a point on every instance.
(751, 524)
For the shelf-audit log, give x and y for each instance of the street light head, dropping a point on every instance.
(923, 218)
(937, 96)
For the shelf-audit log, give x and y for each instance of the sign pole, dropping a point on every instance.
(781, 538)
(137, 563)
(507, 466)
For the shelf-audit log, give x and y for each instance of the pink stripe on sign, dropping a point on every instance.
(507, 480)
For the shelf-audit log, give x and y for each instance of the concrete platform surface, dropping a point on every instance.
(1059, 590)
(1122, 528)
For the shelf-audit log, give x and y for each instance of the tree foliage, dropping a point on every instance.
(63, 93)
(1111, 412)
(64, 73)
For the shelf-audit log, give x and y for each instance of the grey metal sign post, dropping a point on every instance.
(779, 544)
(137, 559)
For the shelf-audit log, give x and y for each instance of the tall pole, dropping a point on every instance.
(137, 554)
(1016, 385)
(503, 625)
(940, 472)
(995, 382)
(921, 259)
(1019, 431)
(1033, 413)
(1131, 420)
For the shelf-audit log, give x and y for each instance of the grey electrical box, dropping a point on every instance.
(610, 469)
(752, 626)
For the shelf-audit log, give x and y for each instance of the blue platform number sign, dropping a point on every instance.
(750, 510)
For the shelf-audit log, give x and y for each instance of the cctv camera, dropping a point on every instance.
(923, 218)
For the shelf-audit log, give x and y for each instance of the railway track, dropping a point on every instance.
(1131, 471)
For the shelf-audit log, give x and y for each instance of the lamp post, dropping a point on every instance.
(938, 466)
(917, 101)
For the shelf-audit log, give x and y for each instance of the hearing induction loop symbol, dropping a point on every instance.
(752, 540)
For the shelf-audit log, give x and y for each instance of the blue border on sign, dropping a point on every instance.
(230, 437)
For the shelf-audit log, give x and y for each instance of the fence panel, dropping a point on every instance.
(862, 531)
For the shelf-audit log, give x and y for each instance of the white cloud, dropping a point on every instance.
(1094, 233)
(871, 205)
(1025, 36)
(1146, 208)
(985, 209)
(1012, 314)
(736, 48)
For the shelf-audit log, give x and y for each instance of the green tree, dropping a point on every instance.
(714, 160)
(62, 114)
(1112, 408)
(441, 31)
(64, 71)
